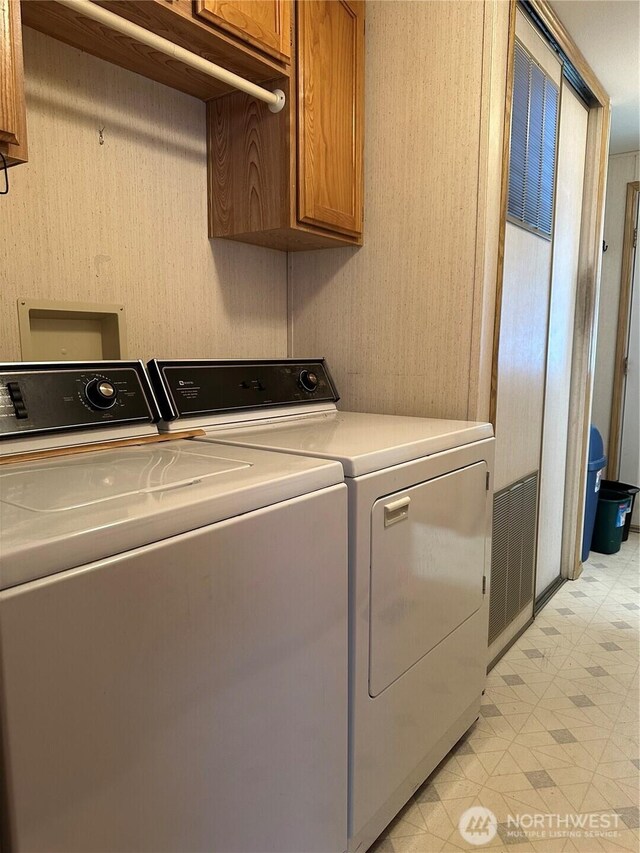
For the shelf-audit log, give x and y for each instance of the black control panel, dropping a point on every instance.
(191, 388)
(52, 396)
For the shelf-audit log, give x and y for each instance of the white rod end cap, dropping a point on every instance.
(279, 104)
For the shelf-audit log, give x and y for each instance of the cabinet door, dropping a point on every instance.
(330, 107)
(265, 24)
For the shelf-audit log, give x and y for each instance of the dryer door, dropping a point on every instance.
(427, 567)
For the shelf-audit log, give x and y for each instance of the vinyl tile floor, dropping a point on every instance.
(557, 738)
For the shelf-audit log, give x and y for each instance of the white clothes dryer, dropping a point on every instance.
(419, 547)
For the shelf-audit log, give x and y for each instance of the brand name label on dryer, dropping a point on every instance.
(197, 388)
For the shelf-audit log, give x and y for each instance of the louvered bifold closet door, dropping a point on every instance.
(512, 553)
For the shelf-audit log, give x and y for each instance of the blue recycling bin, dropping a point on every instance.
(597, 463)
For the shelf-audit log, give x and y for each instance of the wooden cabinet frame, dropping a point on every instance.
(171, 20)
(261, 175)
(13, 118)
(276, 43)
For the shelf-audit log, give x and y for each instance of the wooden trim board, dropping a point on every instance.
(584, 350)
(494, 123)
(622, 333)
(36, 455)
(504, 196)
(15, 149)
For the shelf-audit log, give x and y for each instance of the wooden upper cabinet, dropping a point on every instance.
(12, 103)
(174, 20)
(330, 100)
(264, 24)
(293, 180)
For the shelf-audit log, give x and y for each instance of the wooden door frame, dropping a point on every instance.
(589, 268)
(622, 333)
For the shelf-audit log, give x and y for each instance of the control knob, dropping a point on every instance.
(308, 380)
(100, 393)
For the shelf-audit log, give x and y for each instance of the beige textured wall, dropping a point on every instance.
(623, 169)
(396, 318)
(126, 221)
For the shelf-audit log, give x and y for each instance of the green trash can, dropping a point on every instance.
(610, 517)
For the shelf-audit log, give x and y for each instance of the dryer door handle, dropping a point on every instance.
(396, 511)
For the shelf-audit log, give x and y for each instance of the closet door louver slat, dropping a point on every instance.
(534, 126)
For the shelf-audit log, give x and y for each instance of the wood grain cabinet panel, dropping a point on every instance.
(293, 180)
(330, 72)
(12, 101)
(8, 82)
(174, 20)
(265, 24)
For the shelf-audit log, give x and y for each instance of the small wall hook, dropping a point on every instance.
(605, 245)
(101, 136)
(5, 169)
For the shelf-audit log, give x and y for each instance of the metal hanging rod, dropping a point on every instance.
(275, 99)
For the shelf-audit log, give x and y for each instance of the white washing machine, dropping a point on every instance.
(173, 630)
(419, 518)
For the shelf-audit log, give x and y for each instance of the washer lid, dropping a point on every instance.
(64, 512)
(90, 479)
(363, 443)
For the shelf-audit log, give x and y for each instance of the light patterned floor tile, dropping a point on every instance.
(629, 714)
(538, 738)
(475, 767)
(402, 829)
(508, 783)
(618, 770)
(558, 732)
(382, 845)
(423, 843)
(571, 775)
(630, 786)
(612, 752)
(483, 744)
(448, 771)
(413, 815)
(457, 789)
(526, 801)
(551, 845)
(456, 808)
(557, 801)
(575, 793)
(438, 821)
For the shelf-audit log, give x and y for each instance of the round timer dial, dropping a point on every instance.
(308, 380)
(100, 393)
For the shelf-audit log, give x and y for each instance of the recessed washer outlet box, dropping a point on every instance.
(71, 331)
